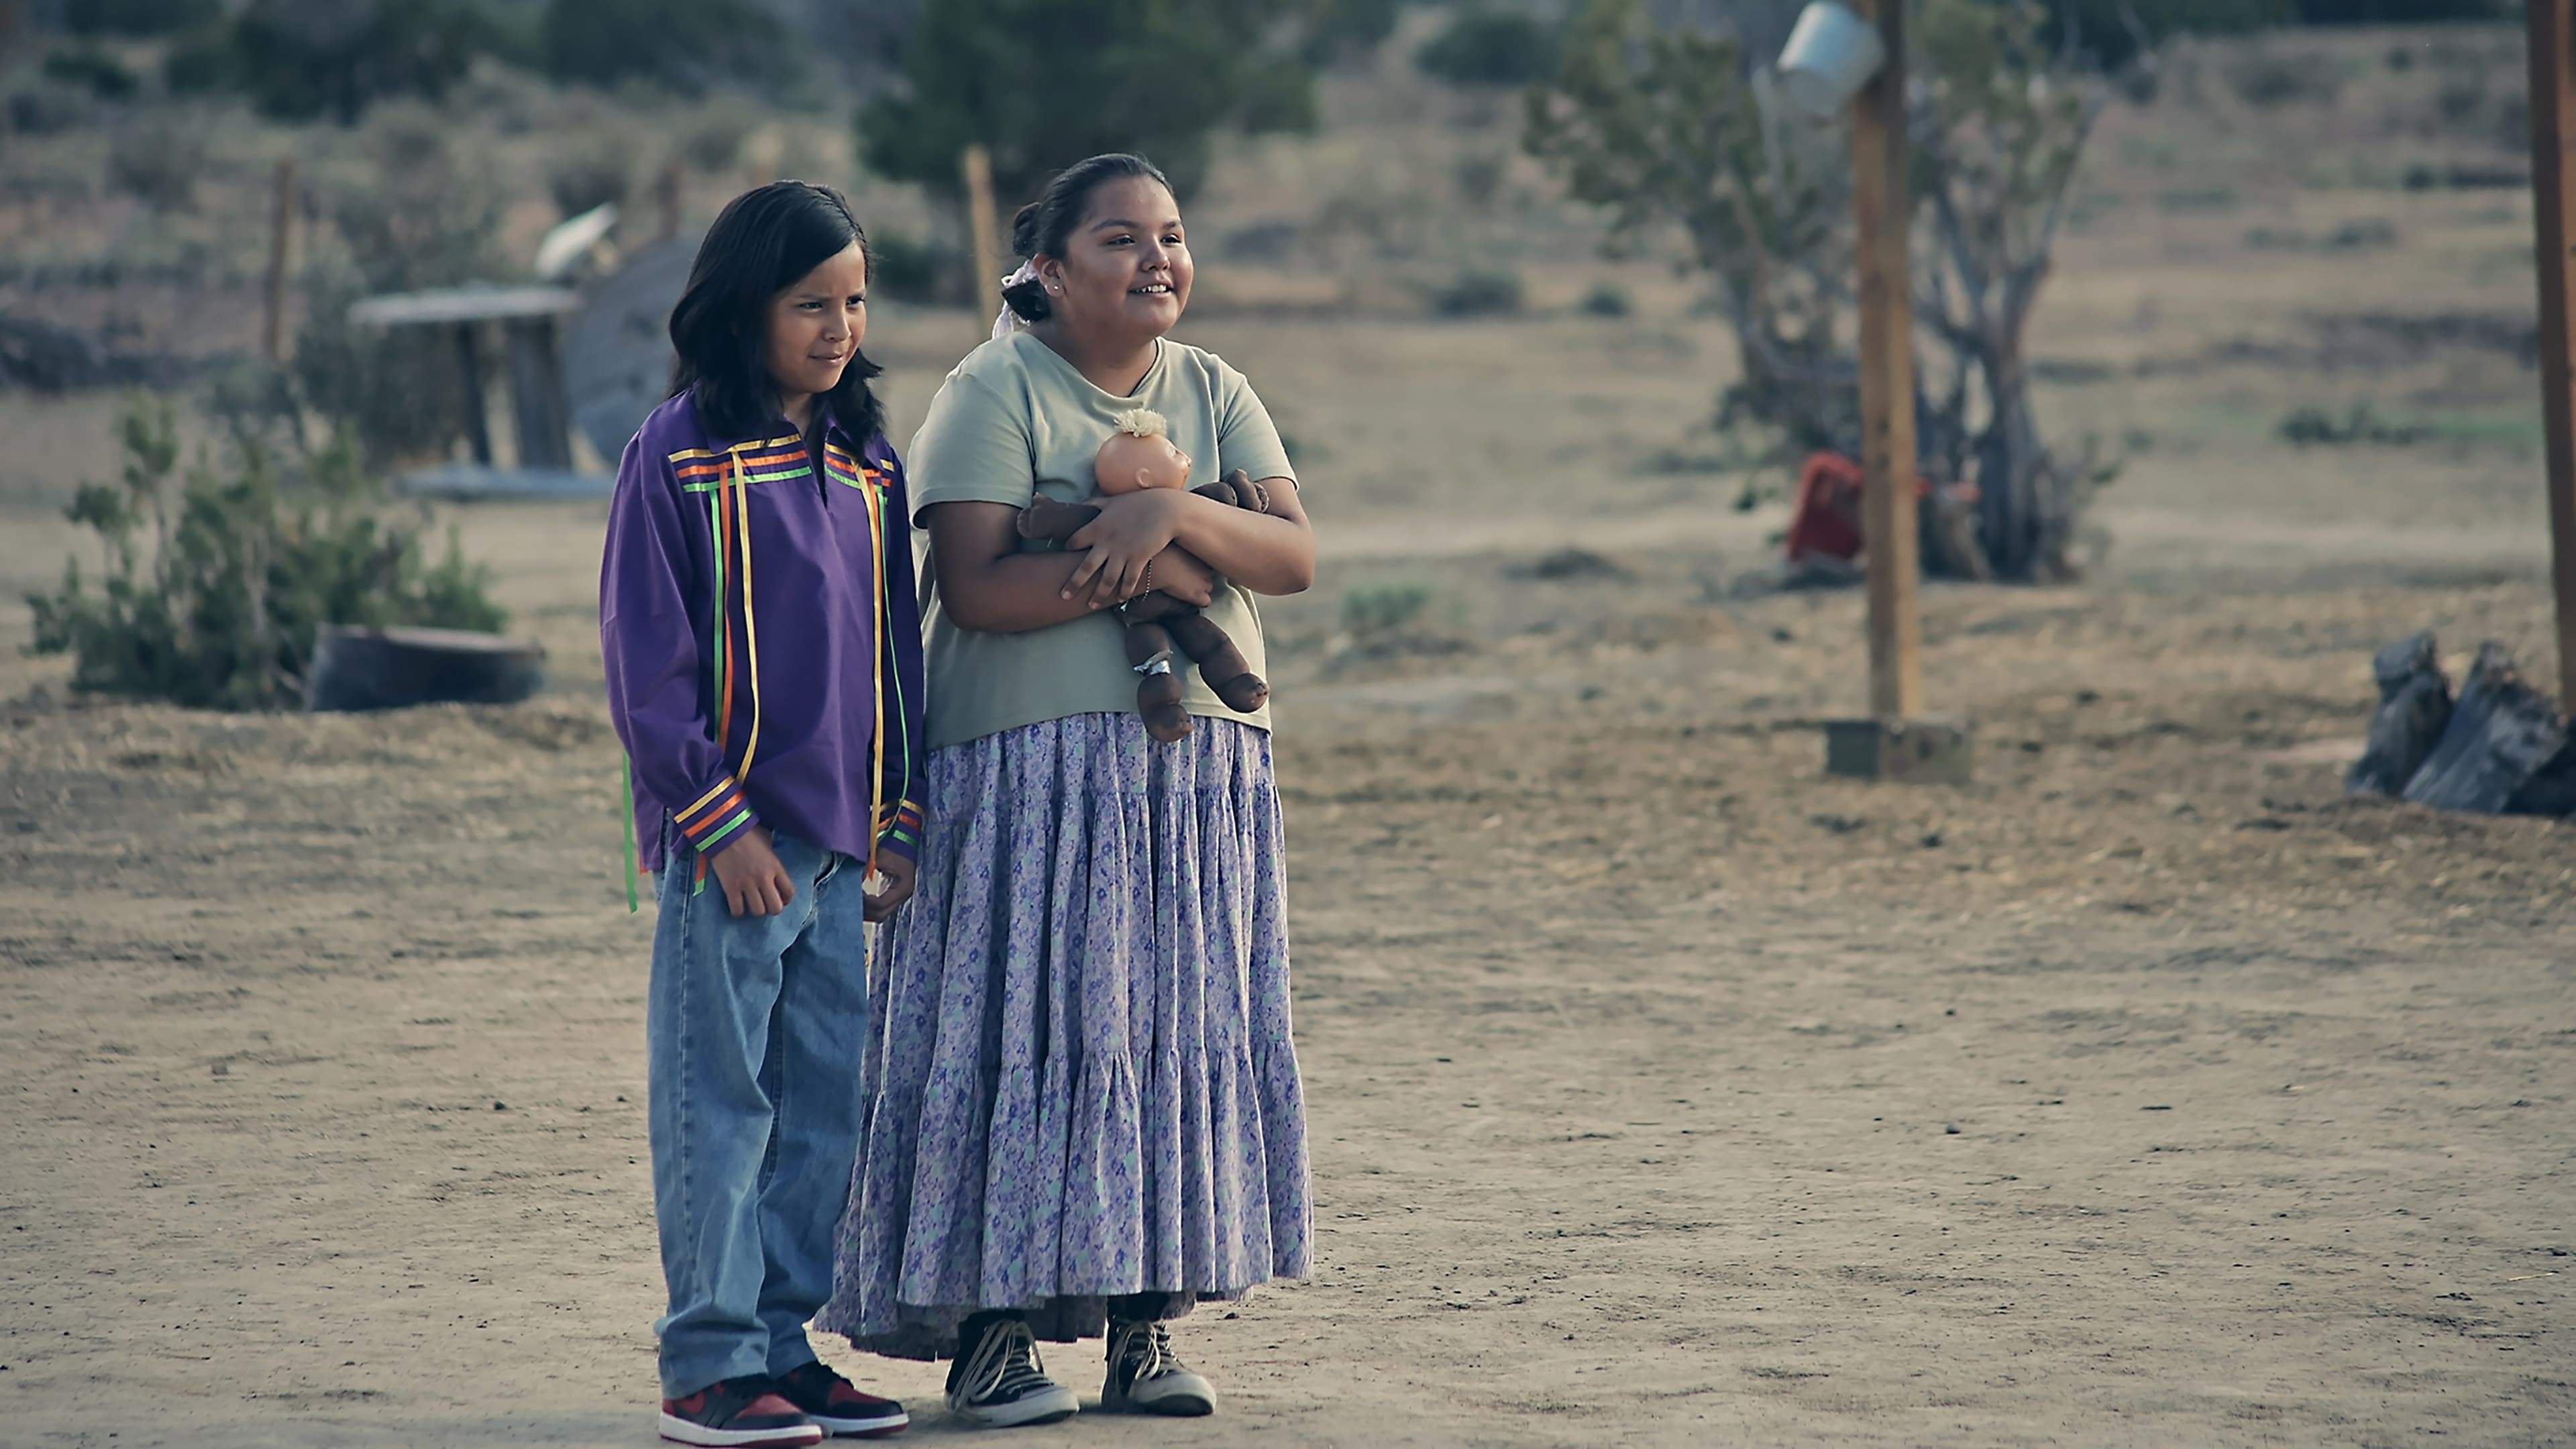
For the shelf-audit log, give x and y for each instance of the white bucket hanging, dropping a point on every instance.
(1831, 54)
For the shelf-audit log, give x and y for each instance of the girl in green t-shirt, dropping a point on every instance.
(1083, 1102)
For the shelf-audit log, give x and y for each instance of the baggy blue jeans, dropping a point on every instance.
(754, 1030)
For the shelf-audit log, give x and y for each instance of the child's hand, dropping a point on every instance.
(755, 884)
(1122, 541)
(893, 886)
(1185, 576)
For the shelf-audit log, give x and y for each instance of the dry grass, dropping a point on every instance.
(1663, 1090)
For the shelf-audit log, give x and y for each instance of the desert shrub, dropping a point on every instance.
(1480, 177)
(1480, 47)
(1479, 292)
(203, 62)
(2198, 198)
(141, 17)
(300, 59)
(2112, 31)
(94, 70)
(1375, 611)
(158, 165)
(2264, 80)
(688, 45)
(912, 269)
(2366, 234)
(1606, 299)
(1337, 29)
(51, 108)
(1660, 123)
(1045, 85)
(425, 222)
(592, 176)
(2314, 427)
(2398, 12)
(214, 585)
(714, 138)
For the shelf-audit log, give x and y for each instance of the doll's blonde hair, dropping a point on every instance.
(1143, 423)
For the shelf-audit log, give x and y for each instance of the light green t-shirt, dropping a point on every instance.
(1014, 412)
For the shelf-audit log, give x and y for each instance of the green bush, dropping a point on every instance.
(713, 141)
(592, 176)
(93, 69)
(158, 165)
(2399, 12)
(2265, 80)
(214, 588)
(1479, 292)
(1046, 84)
(424, 221)
(2103, 28)
(204, 62)
(1340, 28)
(2314, 427)
(687, 45)
(1374, 611)
(910, 269)
(141, 17)
(300, 59)
(1607, 299)
(1489, 48)
(50, 108)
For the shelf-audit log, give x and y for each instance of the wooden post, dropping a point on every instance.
(2553, 158)
(281, 242)
(539, 414)
(478, 431)
(984, 297)
(1883, 209)
(666, 202)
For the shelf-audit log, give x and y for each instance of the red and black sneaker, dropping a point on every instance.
(838, 1406)
(744, 1413)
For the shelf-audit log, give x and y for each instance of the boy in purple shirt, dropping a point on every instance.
(762, 643)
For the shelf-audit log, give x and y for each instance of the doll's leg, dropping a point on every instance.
(1158, 687)
(1220, 663)
(1151, 607)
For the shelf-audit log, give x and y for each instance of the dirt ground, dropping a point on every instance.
(1663, 1091)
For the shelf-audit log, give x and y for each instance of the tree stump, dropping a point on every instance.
(2551, 790)
(2414, 709)
(368, 669)
(2504, 739)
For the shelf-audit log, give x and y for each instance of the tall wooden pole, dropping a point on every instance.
(2553, 168)
(1883, 208)
(281, 246)
(977, 167)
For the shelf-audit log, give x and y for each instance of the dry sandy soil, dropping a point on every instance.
(1663, 1091)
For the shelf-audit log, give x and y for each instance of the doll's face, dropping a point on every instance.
(1129, 464)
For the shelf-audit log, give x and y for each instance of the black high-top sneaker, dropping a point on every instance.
(1146, 1377)
(839, 1406)
(998, 1378)
(744, 1413)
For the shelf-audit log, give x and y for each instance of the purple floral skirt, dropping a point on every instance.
(1080, 1079)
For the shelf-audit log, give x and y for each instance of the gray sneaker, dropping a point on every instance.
(1146, 1377)
(1000, 1381)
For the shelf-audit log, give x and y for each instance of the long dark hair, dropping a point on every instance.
(1044, 226)
(761, 243)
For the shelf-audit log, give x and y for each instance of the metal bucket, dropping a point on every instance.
(1830, 55)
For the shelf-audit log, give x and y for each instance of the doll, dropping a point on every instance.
(1160, 628)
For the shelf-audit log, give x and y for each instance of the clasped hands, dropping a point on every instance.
(1128, 550)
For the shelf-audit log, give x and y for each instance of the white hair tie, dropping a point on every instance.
(1008, 321)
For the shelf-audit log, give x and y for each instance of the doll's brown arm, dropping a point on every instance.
(1055, 522)
(1238, 489)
